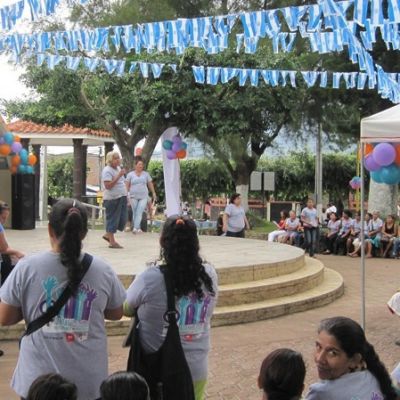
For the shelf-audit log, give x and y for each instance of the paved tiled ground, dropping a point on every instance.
(237, 351)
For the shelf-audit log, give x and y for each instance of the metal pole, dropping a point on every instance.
(318, 171)
(362, 266)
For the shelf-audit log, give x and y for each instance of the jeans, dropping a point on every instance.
(138, 207)
(310, 236)
(396, 247)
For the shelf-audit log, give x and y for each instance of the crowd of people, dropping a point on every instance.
(339, 234)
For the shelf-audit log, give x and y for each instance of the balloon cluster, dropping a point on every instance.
(383, 162)
(355, 182)
(176, 148)
(21, 161)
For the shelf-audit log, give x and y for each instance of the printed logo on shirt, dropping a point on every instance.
(73, 318)
(375, 396)
(193, 312)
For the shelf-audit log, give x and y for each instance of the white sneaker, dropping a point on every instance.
(135, 231)
(139, 231)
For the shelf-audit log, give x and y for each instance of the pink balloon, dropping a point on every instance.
(16, 147)
(171, 155)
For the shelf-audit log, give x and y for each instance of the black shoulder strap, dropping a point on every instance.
(170, 296)
(53, 310)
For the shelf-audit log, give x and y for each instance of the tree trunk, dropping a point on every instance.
(242, 181)
(382, 198)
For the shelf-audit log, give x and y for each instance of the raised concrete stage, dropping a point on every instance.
(257, 280)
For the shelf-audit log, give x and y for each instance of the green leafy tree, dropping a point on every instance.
(60, 180)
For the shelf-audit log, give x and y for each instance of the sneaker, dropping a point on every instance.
(139, 231)
(134, 231)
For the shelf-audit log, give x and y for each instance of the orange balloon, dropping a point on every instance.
(368, 149)
(5, 149)
(17, 138)
(13, 169)
(32, 159)
(181, 154)
(15, 161)
(397, 159)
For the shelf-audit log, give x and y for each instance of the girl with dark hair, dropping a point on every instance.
(331, 235)
(124, 386)
(52, 387)
(235, 220)
(282, 375)
(348, 365)
(195, 287)
(74, 343)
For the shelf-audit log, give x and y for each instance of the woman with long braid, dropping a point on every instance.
(195, 287)
(348, 365)
(74, 343)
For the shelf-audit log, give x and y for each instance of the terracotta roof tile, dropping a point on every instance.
(31, 127)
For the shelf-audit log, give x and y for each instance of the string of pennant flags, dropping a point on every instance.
(325, 25)
(216, 75)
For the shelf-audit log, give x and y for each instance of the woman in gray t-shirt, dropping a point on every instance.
(195, 286)
(74, 343)
(348, 365)
(234, 219)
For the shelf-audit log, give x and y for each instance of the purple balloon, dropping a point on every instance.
(16, 147)
(370, 164)
(177, 139)
(176, 147)
(384, 154)
(171, 155)
(2, 140)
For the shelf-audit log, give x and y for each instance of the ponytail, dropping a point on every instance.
(68, 219)
(376, 367)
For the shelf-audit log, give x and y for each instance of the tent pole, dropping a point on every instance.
(362, 266)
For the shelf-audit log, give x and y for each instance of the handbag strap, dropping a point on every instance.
(171, 311)
(54, 309)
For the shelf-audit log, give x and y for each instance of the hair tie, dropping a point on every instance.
(180, 221)
(73, 210)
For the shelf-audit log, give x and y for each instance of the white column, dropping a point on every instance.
(172, 178)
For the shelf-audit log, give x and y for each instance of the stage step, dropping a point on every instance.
(329, 290)
(306, 278)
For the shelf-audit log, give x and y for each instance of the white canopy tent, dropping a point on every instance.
(381, 127)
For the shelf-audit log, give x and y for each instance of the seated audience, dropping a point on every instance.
(292, 225)
(333, 230)
(374, 234)
(52, 387)
(396, 245)
(124, 386)
(344, 233)
(273, 236)
(389, 232)
(355, 231)
(347, 364)
(357, 242)
(282, 375)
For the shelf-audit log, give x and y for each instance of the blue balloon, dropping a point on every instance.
(24, 156)
(390, 175)
(376, 176)
(184, 146)
(22, 169)
(167, 144)
(29, 169)
(8, 138)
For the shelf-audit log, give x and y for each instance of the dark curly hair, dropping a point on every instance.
(68, 219)
(352, 340)
(180, 253)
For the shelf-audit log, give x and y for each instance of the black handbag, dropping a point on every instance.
(166, 371)
(55, 308)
